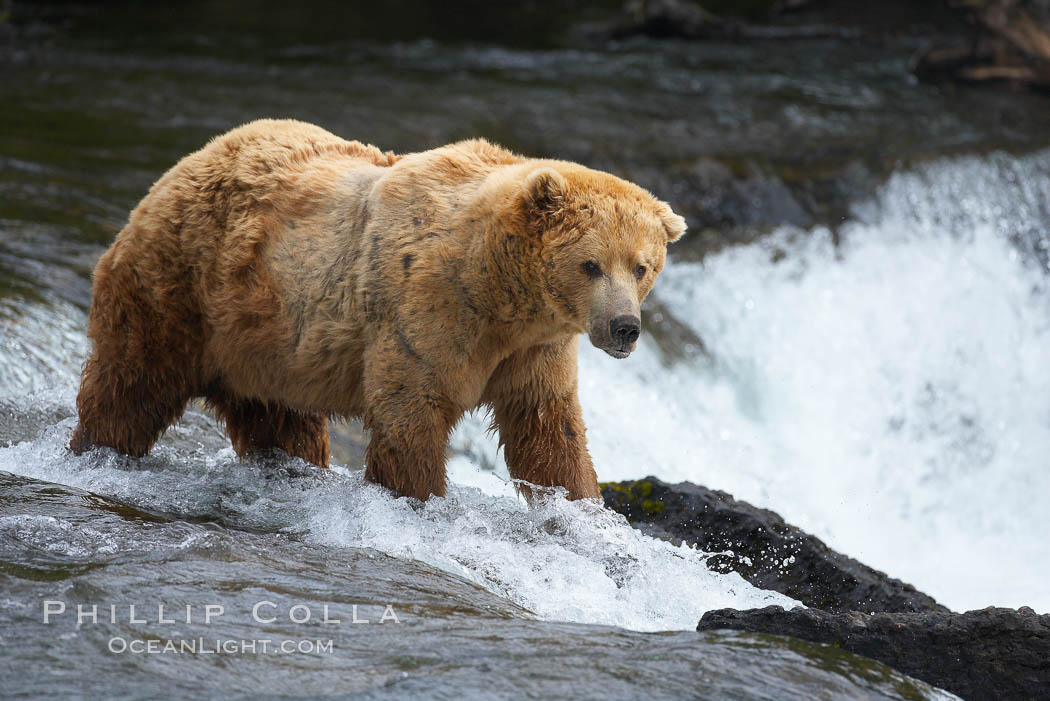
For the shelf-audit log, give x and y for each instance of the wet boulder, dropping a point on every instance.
(761, 547)
(994, 653)
(730, 204)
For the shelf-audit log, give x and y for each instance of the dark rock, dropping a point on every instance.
(994, 653)
(751, 199)
(728, 204)
(761, 547)
(675, 341)
(732, 201)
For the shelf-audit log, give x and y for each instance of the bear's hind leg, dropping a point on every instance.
(124, 407)
(143, 364)
(257, 427)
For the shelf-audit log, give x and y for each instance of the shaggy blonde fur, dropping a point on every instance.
(287, 275)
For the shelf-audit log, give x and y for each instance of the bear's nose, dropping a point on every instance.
(625, 329)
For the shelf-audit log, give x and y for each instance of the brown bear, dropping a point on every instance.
(286, 275)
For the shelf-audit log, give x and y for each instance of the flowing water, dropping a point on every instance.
(890, 394)
(884, 383)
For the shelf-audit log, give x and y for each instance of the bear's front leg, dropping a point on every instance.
(537, 411)
(410, 419)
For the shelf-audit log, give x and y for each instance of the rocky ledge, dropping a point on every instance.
(761, 547)
(994, 653)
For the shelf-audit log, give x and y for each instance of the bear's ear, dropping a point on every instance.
(674, 225)
(544, 192)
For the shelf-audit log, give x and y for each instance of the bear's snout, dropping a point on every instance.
(616, 336)
(625, 330)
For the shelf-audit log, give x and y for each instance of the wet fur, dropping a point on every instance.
(287, 275)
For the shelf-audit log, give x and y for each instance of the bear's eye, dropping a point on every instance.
(592, 269)
(639, 271)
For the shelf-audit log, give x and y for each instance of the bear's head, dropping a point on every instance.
(603, 243)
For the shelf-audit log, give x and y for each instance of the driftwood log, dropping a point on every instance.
(1010, 42)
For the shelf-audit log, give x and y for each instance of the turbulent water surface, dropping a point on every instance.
(891, 394)
(884, 383)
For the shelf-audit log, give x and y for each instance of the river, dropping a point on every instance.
(866, 351)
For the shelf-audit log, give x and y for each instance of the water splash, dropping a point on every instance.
(567, 561)
(41, 345)
(890, 394)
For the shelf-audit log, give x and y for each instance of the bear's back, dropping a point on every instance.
(261, 154)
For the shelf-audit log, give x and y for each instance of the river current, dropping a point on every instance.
(881, 380)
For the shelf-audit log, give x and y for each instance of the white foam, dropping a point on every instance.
(891, 395)
(563, 560)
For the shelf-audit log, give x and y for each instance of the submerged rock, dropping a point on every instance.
(761, 547)
(994, 653)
